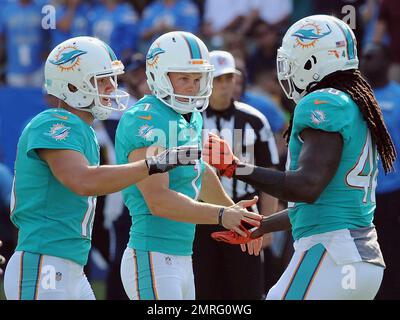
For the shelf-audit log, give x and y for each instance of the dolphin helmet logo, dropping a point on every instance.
(152, 56)
(309, 34)
(68, 58)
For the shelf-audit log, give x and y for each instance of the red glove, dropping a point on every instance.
(218, 153)
(232, 237)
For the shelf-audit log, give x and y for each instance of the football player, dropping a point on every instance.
(57, 174)
(334, 138)
(157, 263)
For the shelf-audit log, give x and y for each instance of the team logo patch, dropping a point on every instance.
(146, 131)
(221, 61)
(168, 260)
(59, 132)
(68, 58)
(153, 56)
(58, 276)
(318, 117)
(309, 34)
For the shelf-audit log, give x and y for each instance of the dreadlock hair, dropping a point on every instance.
(352, 83)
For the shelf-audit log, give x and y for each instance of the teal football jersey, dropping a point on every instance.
(52, 219)
(151, 122)
(349, 199)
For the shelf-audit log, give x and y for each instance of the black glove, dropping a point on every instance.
(171, 158)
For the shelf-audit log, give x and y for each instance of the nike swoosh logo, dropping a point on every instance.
(316, 101)
(60, 117)
(146, 117)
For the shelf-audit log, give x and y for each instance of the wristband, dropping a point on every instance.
(220, 214)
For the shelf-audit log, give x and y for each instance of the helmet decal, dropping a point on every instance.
(90, 61)
(330, 47)
(68, 58)
(335, 53)
(110, 51)
(194, 48)
(179, 52)
(340, 44)
(350, 43)
(309, 34)
(152, 56)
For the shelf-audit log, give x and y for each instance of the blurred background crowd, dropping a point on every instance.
(250, 30)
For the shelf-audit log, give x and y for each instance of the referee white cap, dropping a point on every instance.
(223, 62)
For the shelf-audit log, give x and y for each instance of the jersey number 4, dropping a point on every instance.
(358, 178)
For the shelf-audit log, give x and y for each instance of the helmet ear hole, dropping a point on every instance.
(72, 88)
(308, 65)
(152, 76)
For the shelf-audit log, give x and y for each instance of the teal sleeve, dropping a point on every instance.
(53, 133)
(324, 111)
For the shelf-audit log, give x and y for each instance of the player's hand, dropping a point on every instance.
(261, 230)
(267, 240)
(2, 260)
(242, 233)
(171, 158)
(218, 153)
(236, 216)
(232, 237)
(253, 247)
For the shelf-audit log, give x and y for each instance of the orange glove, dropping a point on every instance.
(218, 153)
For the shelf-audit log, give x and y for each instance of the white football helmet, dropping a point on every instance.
(81, 62)
(312, 48)
(179, 52)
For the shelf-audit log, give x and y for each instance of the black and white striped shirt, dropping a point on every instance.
(250, 136)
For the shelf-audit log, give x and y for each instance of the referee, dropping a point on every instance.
(222, 271)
